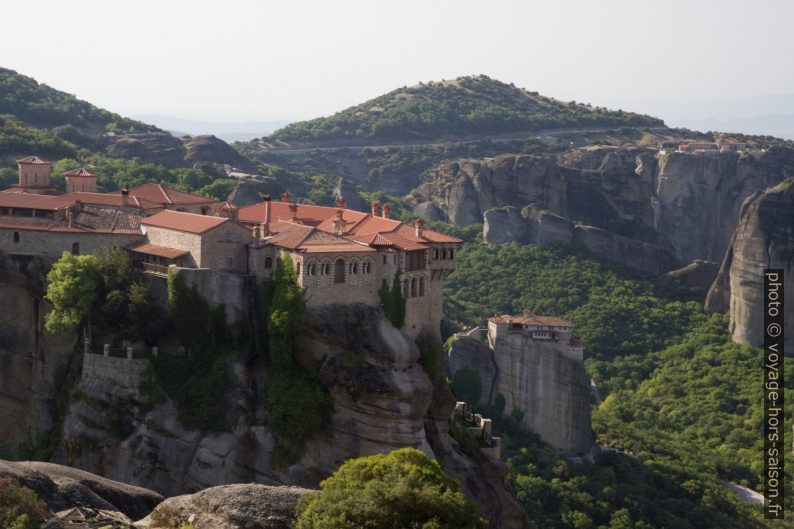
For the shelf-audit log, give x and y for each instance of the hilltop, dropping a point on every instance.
(466, 106)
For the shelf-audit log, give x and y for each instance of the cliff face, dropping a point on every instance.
(539, 379)
(383, 399)
(763, 239)
(33, 364)
(681, 204)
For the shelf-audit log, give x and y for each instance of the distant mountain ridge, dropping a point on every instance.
(466, 106)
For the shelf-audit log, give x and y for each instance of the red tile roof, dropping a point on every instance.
(29, 201)
(105, 199)
(165, 195)
(160, 251)
(86, 219)
(181, 221)
(79, 172)
(35, 160)
(547, 321)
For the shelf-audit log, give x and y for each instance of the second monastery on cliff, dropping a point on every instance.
(341, 255)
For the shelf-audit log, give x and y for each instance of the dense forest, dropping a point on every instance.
(474, 105)
(681, 404)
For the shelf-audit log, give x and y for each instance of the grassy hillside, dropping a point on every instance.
(465, 106)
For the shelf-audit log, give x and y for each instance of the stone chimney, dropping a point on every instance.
(293, 212)
(340, 202)
(375, 209)
(527, 313)
(339, 223)
(386, 211)
(125, 197)
(268, 215)
(285, 196)
(419, 224)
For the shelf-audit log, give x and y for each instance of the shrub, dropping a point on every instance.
(401, 490)
(20, 507)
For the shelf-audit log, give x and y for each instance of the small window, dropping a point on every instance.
(384, 258)
(435, 253)
(395, 258)
(367, 268)
(16, 236)
(312, 270)
(413, 287)
(353, 268)
(443, 253)
(339, 271)
(326, 269)
(450, 253)
(298, 268)
(268, 263)
(76, 248)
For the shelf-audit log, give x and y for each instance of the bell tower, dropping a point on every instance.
(34, 176)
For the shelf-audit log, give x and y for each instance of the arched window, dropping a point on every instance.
(406, 289)
(367, 268)
(413, 287)
(326, 269)
(353, 268)
(421, 286)
(268, 263)
(16, 236)
(76, 248)
(312, 269)
(339, 271)
(298, 268)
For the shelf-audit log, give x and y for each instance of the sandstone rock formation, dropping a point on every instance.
(698, 274)
(686, 202)
(347, 189)
(63, 488)
(383, 399)
(150, 147)
(763, 239)
(240, 506)
(33, 364)
(551, 389)
(250, 190)
(211, 149)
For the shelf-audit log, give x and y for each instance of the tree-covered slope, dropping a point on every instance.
(40, 106)
(682, 404)
(466, 106)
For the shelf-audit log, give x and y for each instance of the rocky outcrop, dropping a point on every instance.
(688, 202)
(698, 275)
(63, 488)
(203, 149)
(383, 400)
(347, 190)
(533, 225)
(763, 239)
(243, 506)
(538, 379)
(149, 147)
(250, 190)
(34, 365)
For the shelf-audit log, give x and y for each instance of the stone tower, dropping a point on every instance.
(34, 176)
(80, 180)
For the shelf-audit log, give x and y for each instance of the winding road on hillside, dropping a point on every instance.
(546, 136)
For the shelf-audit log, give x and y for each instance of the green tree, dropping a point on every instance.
(393, 301)
(401, 490)
(72, 286)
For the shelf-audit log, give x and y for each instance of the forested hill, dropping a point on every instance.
(466, 106)
(40, 106)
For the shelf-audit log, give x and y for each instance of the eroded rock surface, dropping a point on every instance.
(764, 239)
(241, 506)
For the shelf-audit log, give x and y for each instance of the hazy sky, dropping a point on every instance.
(237, 60)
